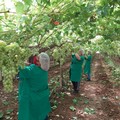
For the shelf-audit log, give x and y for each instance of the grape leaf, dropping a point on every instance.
(28, 2)
(75, 101)
(19, 7)
(1, 115)
(72, 108)
(9, 111)
(5, 102)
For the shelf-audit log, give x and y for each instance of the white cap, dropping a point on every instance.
(81, 50)
(44, 61)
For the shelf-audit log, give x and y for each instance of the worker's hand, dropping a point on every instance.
(77, 56)
(27, 63)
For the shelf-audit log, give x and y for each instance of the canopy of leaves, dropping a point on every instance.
(33, 23)
(59, 24)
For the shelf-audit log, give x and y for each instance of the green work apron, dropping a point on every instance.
(76, 68)
(33, 94)
(87, 67)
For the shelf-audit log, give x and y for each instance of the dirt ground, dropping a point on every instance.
(98, 99)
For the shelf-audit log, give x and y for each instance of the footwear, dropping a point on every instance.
(88, 79)
(73, 92)
(76, 91)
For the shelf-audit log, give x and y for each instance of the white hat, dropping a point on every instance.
(44, 61)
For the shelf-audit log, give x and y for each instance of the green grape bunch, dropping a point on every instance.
(11, 57)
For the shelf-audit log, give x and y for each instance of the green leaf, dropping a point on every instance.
(75, 101)
(38, 1)
(54, 107)
(92, 111)
(74, 118)
(5, 102)
(89, 110)
(72, 108)
(55, 102)
(44, 2)
(1, 17)
(86, 101)
(28, 2)
(19, 7)
(62, 94)
(1, 115)
(86, 110)
(9, 111)
(7, 117)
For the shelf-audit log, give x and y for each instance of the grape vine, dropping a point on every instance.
(60, 27)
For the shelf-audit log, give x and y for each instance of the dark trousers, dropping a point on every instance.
(88, 77)
(76, 86)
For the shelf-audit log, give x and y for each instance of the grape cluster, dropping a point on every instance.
(11, 57)
(61, 53)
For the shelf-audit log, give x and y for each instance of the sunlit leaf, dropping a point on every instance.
(72, 108)
(19, 7)
(89, 110)
(54, 107)
(74, 118)
(7, 117)
(9, 111)
(28, 2)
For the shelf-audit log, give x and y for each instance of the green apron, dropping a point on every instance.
(76, 68)
(33, 94)
(87, 67)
